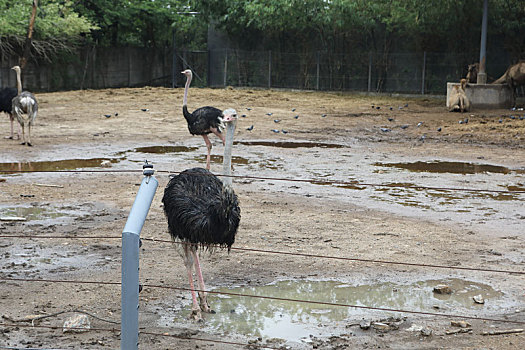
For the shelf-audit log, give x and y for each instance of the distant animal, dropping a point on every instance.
(25, 108)
(514, 76)
(202, 212)
(204, 120)
(458, 100)
(6, 105)
(472, 73)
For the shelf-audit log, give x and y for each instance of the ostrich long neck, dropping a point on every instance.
(227, 159)
(18, 82)
(185, 100)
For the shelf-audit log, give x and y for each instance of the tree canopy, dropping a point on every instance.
(287, 25)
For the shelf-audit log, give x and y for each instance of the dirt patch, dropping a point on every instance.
(353, 200)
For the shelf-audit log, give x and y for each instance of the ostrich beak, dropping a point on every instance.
(229, 115)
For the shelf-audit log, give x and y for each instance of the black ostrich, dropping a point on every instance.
(204, 120)
(203, 211)
(6, 105)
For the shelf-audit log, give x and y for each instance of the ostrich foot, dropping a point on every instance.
(9, 137)
(196, 315)
(30, 144)
(205, 307)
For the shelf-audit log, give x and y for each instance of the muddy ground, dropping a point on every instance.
(342, 145)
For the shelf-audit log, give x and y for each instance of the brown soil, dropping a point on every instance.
(276, 215)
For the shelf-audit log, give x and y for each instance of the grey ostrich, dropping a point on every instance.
(6, 105)
(202, 212)
(25, 108)
(204, 120)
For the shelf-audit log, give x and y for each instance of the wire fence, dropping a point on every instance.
(258, 251)
(116, 67)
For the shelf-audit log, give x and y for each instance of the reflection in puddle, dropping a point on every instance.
(288, 144)
(292, 320)
(450, 167)
(164, 149)
(67, 164)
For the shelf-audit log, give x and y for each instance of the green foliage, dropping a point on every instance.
(55, 19)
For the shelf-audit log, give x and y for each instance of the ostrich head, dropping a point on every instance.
(16, 69)
(229, 115)
(187, 73)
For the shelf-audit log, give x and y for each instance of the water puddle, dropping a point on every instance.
(451, 167)
(288, 144)
(67, 164)
(292, 320)
(42, 213)
(164, 149)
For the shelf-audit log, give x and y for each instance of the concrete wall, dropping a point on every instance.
(486, 95)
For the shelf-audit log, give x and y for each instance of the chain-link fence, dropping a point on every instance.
(96, 67)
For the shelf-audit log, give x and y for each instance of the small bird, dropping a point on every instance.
(512, 117)
(501, 120)
(378, 107)
(243, 116)
(276, 120)
(419, 124)
(284, 131)
(296, 117)
(293, 109)
(275, 131)
(144, 109)
(385, 129)
(250, 128)
(107, 115)
(439, 129)
(391, 108)
(269, 114)
(390, 119)
(406, 105)
(116, 114)
(404, 127)
(323, 116)
(248, 109)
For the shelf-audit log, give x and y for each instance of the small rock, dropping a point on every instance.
(381, 327)
(426, 332)
(461, 324)
(442, 289)
(478, 299)
(77, 324)
(365, 324)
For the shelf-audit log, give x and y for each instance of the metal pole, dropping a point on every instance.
(317, 82)
(129, 327)
(174, 62)
(269, 69)
(482, 75)
(423, 73)
(225, 67)
(369, 71)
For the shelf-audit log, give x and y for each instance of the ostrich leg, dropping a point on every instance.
(202, 293)
(208, 146)
(29, 134)
(195, 309)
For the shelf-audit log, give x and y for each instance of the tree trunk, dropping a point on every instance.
(27, 45)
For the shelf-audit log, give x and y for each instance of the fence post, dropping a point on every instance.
(369, 71)
(225, 67)
(423, 73)
(269, 69)
(129, 327)
(317, 81)
(174, 61)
